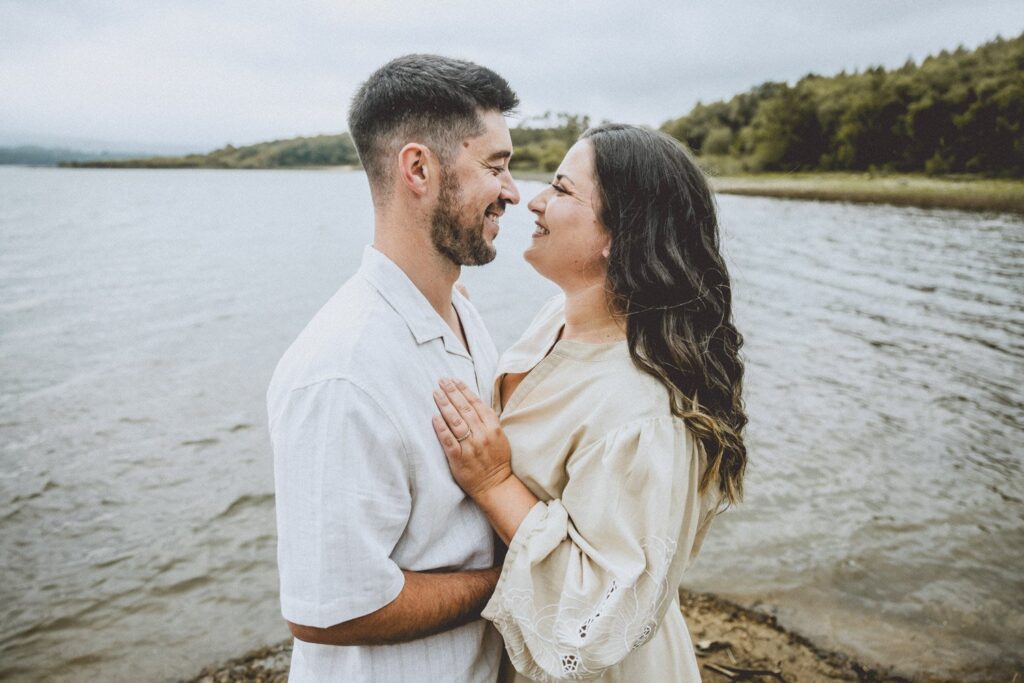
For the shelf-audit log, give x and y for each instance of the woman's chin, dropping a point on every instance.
(532, 256)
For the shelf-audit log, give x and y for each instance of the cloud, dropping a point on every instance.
(206, 73)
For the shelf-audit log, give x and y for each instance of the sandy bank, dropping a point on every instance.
(969, 194)
(732, 642)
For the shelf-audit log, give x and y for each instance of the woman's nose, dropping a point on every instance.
(538, 203)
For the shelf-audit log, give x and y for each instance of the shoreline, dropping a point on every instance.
(966, 194)
(731, 642)
(921, 191)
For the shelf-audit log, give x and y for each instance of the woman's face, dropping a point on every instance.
(570, 246)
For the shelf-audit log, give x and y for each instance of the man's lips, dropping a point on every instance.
(494, 212)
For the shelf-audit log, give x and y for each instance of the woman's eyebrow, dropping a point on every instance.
(561, 176)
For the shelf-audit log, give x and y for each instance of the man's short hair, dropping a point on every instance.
(422, 98)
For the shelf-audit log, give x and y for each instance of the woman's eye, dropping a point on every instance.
(558, 188)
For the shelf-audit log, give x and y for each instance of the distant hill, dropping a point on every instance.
(959, 112)
(320, 150)
(33, 155)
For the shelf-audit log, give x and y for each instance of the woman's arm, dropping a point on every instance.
(588, 576)
(479, 455)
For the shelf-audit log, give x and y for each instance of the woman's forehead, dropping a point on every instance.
(578, 164)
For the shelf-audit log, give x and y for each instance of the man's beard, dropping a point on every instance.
(463, 244)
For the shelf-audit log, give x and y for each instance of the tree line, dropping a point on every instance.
(319, 150)
(956, 112)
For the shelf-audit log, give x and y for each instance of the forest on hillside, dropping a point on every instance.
(956, 112)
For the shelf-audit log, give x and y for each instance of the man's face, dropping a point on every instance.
(474, 191)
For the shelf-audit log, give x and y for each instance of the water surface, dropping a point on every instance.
(142, 312)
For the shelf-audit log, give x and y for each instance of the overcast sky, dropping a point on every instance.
(198, 74)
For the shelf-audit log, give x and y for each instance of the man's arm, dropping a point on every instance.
(428, 604)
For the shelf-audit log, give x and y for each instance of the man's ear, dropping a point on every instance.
(414, 167)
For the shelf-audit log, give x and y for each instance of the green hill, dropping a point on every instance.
(956, 112)
(35, 155)
(320, 150)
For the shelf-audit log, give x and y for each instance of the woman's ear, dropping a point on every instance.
(413, 167)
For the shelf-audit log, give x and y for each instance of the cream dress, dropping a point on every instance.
(589, 587)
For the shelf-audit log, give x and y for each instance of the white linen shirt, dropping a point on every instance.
(363, 488)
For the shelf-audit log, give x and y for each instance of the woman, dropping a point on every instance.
(622, 406)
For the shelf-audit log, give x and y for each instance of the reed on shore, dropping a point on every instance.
(971, 194)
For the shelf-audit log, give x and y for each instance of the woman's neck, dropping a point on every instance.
(588, 316)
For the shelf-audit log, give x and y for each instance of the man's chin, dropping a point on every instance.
(482, 258)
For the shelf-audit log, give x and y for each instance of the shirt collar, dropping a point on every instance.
(406, 298)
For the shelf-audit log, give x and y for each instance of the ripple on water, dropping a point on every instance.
(884, 348)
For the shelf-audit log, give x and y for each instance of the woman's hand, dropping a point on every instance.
(477, 449)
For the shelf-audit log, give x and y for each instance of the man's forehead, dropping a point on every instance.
(495, 142)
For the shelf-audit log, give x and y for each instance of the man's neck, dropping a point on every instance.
(412, 251)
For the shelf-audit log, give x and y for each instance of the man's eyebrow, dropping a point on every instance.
(500, 155)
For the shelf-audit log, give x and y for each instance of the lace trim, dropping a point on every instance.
(571, 639)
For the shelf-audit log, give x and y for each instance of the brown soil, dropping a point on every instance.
(732, 643)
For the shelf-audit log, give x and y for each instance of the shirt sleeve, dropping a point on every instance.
(588, 578)
(342, 487)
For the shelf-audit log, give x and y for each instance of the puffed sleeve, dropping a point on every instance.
(588, 578)
(343, 499)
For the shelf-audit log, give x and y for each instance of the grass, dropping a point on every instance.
(971, 194)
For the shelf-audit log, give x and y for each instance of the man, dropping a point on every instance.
(384, 563)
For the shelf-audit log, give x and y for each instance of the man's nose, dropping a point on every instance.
(509, 191)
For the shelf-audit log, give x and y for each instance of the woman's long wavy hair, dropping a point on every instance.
(668, 279)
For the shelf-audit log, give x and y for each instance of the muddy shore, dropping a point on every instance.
(732, 642)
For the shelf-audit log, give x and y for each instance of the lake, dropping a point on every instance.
(142, 313)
